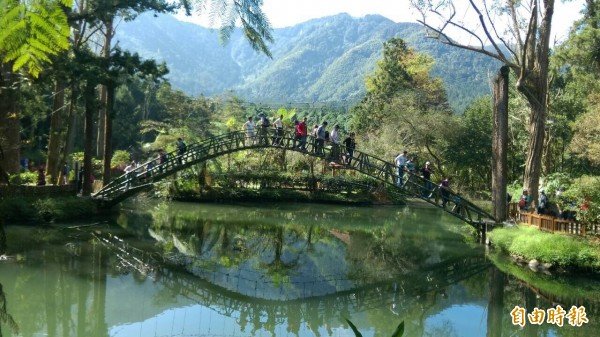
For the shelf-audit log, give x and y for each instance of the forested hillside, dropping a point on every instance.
(322, 60)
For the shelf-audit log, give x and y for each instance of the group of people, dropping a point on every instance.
(545, 206)
(161, 159)
(320, 134)
(405, 166)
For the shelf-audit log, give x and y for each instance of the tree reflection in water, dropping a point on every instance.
(5, 317)
(258, 272)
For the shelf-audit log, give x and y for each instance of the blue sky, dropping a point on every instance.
(285, 13)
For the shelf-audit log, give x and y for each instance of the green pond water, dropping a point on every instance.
(264, 269)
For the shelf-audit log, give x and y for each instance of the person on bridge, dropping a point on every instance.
(321, 135)
(350, 145)
(249, 128)
(400, 162)
(264, 129)
(278, 125)
(181, 148)
(426, 175)
(445, 191)
(313, 133)
(334, 139)
(162, 159)
(302, 131)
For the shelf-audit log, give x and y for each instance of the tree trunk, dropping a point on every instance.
(74, 122)
(10, 126)
(69, 136)
(108, 127)
(89, 138)
(500, 145)
(101, 124)
(533, 162)
(104, 92)
(55, 133)
(534, 85)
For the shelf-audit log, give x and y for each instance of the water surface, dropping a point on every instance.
(182, 269)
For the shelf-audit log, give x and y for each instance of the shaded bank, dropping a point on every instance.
(32, 209)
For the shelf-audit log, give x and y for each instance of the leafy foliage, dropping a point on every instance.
(586, 138)
(32, 31)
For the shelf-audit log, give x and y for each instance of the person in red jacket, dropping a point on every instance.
(302, 132)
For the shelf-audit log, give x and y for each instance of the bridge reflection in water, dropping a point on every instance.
(184, 270)
(269, 277)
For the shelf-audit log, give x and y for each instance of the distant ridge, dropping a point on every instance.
(321, 60)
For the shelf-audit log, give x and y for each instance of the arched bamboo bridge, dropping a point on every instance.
(141, 179)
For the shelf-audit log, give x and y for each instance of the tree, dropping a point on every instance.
(30, 32)
(577, 71)
(469, 146)
(523, 44)
(403, 106)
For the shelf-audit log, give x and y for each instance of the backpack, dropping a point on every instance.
(265, 122)
(522, 203)
(181, 147)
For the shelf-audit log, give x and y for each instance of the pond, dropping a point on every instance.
(185, 269)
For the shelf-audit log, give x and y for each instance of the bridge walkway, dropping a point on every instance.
(386, 172)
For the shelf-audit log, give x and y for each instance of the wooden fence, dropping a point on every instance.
(551, 224)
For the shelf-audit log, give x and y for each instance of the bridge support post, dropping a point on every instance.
(482, 232)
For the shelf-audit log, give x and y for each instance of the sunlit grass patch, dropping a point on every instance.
(559, 249)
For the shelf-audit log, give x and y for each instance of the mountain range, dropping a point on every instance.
(323, 60)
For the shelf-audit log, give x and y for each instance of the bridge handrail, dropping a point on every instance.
(370, 165)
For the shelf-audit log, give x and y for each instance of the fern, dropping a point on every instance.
(32, 31)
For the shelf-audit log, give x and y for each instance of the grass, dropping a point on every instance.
(563, 251)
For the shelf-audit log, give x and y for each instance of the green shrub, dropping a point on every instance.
(120, 158)
(61, 209)
(24, 178)
(583, 197)
(16, 209)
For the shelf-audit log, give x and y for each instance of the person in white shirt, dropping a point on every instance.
(278, 125)
(334, 139)
(400, 162)
(249, 127)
